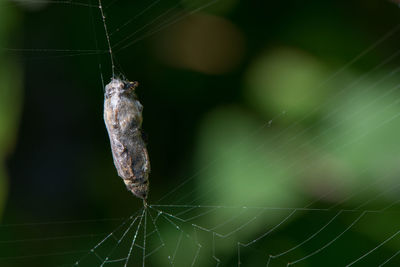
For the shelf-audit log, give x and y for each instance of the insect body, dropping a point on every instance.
(123, 119)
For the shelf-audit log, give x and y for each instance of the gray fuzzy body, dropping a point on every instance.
(123, 119)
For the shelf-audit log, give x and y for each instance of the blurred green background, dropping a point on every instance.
(272, 104)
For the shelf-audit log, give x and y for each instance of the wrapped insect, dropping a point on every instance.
(123, 119)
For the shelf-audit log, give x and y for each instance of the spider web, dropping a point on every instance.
(350, 217)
